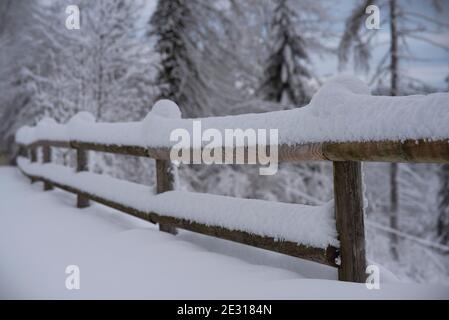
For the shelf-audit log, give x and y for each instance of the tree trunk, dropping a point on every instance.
(394, 209)
(393, 92)
(443, 205)
(393, 49)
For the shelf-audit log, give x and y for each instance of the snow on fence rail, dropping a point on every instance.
(343, 124)
(282, 226)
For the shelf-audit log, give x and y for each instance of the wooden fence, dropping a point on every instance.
(349, 258)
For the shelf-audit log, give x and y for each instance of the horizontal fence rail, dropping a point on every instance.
(407, 151)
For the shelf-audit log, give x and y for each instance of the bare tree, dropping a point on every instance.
(403, 25)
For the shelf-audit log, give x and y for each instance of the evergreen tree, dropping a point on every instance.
(285, 74)
(179, 78)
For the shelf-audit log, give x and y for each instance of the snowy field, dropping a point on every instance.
(119, 256)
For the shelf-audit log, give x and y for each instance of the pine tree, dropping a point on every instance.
(285, 73)
(179, 78)
(286, 77)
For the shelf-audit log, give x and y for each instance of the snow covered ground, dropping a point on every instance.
(119, 256)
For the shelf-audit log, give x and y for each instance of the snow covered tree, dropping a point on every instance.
(24, 76)
(210, 54)
(106, 67)
(113, 71)
(404, 25)
(178, 78)
(116, 65)
(287, 77)
(286, 74)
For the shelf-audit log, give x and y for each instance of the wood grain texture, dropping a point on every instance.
(348, 194)
(412, 151)
(111, 148)
(407, 151)
(52, 143)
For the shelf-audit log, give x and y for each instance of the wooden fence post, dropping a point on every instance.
(164, 182)
(33, 158)
(46, 154)
(348, 195)
(81, 165)
(22, 151)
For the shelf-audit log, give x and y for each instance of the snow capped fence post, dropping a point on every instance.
(46, 154)
(164, 182)
(165, 171)
(349, 206)
(78, 123)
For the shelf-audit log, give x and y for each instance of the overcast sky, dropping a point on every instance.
(435, 65)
